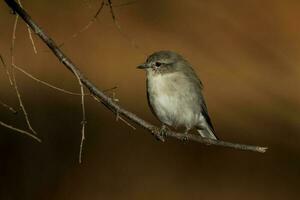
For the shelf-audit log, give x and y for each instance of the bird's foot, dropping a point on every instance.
(185, 137)
(160, 133)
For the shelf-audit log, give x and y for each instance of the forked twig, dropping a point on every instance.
(8, 107)
(55, 87)
(126, 36)
(117, 115)
(14, 81)
(109, 103)
(87, 26)
(47, 84)
(21, 102)
(82, 94)
(90, 23)
(20, 131)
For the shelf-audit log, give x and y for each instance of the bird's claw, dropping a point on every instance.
(185, 137)
(160, 134)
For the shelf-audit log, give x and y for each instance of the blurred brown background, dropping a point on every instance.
(247, 55)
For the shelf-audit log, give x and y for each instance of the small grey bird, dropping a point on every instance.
(174, 93)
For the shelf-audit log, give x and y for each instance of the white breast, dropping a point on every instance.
(173, 99)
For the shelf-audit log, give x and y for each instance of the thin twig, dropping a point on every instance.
(72, 93)
(47, 84)
(118, 117)
(21, 102)
(87, 26)
(20, 131)
(14, 38)
(55, 87)
(29, 33)
(110, 89)
(99, 10)
(90, 23)
(109, 103)
(6, 70)
(8, 107)
(14, 77)
(83, 122)
(31, 39)
(126, 36)
(123, 4)
(127, 123)
(112, 11)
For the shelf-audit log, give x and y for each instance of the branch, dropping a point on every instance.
(11, 109)
(109, 102)
(45, 83)
(6, 70)
(13, 76)
(87, 26)
(20, 131)
(29, 33)
(126, 36)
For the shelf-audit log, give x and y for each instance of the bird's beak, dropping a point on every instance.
(143, 66)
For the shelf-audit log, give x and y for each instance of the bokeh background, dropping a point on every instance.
(247, 55)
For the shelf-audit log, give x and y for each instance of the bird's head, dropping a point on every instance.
(163, 62)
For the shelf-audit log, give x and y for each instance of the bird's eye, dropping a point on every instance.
(157, 64)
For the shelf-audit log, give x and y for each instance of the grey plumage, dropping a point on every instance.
(175, 93)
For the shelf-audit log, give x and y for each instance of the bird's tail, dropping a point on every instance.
(207, 133)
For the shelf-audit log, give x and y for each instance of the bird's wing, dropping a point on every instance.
(204, 112)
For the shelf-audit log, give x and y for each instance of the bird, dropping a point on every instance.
(174, 93)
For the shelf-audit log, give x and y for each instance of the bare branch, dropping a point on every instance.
(91, 22)
(8, 107)
(14, 38)
(112, 12)
(83, 122)
(117, 115)
(124, 4)
(110, 89)
(109, 103)
(29, 33)
(99, 10)
(87, 26)
(21, 102)
(20, 131)
(32, 41)
(47, 84)
(126, 36)
(6, 70)
(126, 122)
(55, 87)
(14, 81)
